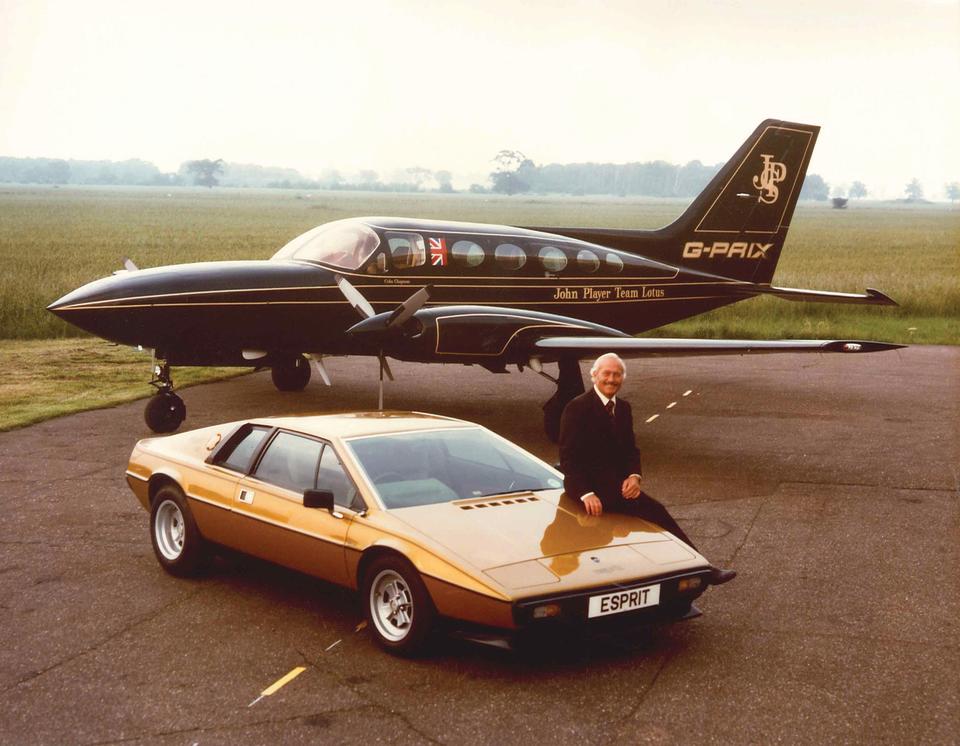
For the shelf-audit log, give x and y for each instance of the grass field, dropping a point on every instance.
(53, 240)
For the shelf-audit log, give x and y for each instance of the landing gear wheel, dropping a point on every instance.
(291, 374)
(164, 412)
(177, 542)
(397, 605)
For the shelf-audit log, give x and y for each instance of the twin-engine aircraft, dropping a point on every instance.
(477, 294)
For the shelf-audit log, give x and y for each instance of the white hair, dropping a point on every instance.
(608, 356)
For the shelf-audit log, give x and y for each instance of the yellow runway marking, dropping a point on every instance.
(688, 392)
(671, 405)
(652, 418)
(276, 685)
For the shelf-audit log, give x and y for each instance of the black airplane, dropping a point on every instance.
(476, 294)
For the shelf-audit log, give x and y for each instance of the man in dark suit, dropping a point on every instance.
(599, 456)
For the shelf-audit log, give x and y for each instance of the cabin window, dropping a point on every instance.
(379, 264)
(552, 259)
(290, 461)
(467, 253)
(407, 250)
(510, 256)
(587, 261)
(346, 244)
(614, 263)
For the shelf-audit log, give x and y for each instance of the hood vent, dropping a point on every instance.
(498, 503)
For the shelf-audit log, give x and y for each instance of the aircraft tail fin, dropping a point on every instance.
(737, 225)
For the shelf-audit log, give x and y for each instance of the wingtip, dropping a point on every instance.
(856, 345)
(881, 299)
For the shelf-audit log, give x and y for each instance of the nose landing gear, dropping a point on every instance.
(165, 411)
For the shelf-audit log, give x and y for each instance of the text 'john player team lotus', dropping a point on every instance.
(476, 294)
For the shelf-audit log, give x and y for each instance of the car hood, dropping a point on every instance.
(532, 539)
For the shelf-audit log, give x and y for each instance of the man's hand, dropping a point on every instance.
(593, 505)
(631, 487)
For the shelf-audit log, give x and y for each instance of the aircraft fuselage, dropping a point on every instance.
(211, 312)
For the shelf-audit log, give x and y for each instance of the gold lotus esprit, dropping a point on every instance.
(426, 516)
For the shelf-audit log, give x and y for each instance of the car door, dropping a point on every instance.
(271, 520)
(213, 495)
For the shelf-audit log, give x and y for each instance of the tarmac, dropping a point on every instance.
(829, 482)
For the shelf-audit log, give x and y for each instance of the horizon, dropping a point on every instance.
(392, 84)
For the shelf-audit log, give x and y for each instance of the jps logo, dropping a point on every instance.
(740, 249)
(766, 181)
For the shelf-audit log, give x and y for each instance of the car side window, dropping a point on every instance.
(290, 461)
(332, 477)
(237, 455)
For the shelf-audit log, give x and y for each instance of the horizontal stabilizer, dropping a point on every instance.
(871, 298)
(652, 347)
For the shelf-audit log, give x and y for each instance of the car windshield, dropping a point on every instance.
(346, 244)
(409, 469)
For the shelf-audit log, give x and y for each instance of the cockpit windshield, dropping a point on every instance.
(346, 244)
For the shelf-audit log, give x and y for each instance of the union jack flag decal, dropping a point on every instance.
(438, 252)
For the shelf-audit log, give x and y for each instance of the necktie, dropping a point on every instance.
(609, 407)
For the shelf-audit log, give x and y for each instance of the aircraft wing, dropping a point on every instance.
(872, 297)
(653, 347)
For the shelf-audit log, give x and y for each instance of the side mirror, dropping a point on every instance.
(322, 499)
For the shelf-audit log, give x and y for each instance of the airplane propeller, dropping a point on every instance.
(381, 325)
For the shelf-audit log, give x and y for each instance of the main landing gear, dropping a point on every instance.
(569, 386)
(291, 373)
(165, 411)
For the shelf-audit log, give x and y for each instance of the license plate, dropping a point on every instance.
(621, 601)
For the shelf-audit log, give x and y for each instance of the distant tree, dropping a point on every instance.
(478, 189)
(331, 178)
(953, 191)
(368, 179)
(58, 172)
(417, 175)
(205, 171)
(814, 187)
(858, 190)
(444, 180)
(512, 167)
(914, 190)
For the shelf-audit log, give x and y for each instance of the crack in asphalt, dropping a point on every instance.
(667, 657)
(99, 644)
(341, 680)
(807, 634)
(831, 483)
(227, 728)
(86, 542)
(763, 502)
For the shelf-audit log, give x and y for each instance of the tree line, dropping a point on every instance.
(513, 173)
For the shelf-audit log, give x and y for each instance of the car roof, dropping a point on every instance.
(352, 424)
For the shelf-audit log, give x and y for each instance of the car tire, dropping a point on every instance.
(398, 607)
(291, 373)
(177, 543)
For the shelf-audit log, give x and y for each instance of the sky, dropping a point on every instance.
(389, 84)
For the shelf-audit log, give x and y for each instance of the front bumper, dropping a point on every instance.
(572, 608)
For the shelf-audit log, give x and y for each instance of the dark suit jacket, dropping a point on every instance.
(596, 455)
